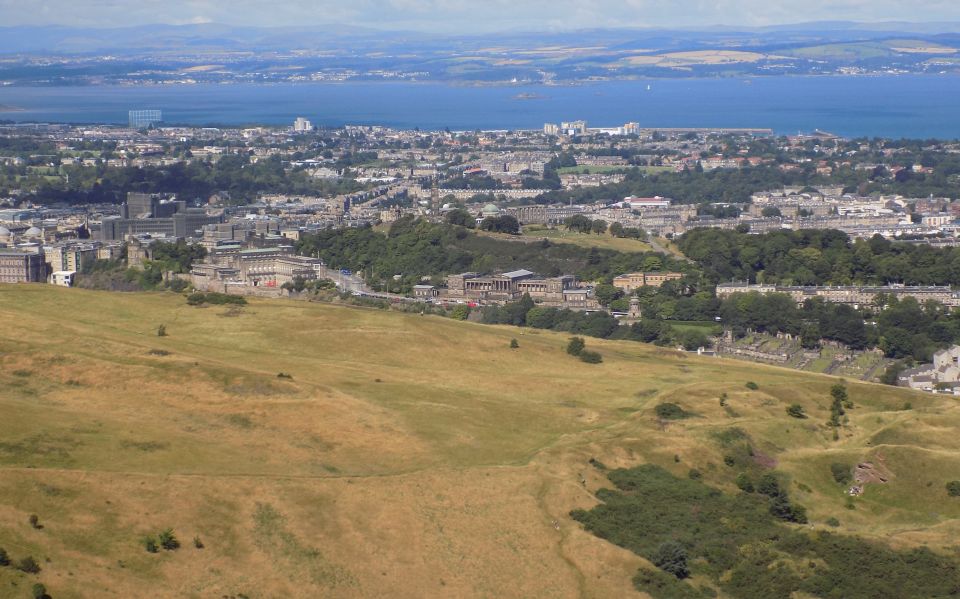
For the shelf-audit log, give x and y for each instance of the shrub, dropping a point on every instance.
(841, 473)
(590, 357)
(694, 474)
(729, 460)
(40, 591)
(576, 345)
(769, 485)
(671, 557)
(953, 488)
(4, 557)
(35, 521)
(197, 543)
(723, 400)
(832, 522)
(514, 344)
(671, 411)
(150, 544)
(168, 541)
(29, 565)
(752, 386)
(162, 331)
(744, 483)
(796, 411)
(460, 313)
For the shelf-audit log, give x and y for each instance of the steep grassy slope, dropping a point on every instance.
(407, 456)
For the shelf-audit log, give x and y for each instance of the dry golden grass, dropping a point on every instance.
(407, 456)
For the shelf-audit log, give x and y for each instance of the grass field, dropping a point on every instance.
(407, 455)
(603, 242)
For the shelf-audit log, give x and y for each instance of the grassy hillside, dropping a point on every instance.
(407, 456)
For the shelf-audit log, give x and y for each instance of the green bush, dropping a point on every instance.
(671, 557)
(4, 557)
(671, 411)
(29, 565)
(590, 357)
(832, 522)
(752, 386)
(953, 488)
(150, 544)
(694, 474)
(740, 544)
(168, 541)
(576, 345)
(461, 312)
(796, 411)
(39, 591)
(514, 344)
(744, 483)
(841, 473)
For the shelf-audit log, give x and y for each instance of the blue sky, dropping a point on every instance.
(466, 16)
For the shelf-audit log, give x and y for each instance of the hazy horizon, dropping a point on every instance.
(462, 17)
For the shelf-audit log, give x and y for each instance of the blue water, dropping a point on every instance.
(917, 106)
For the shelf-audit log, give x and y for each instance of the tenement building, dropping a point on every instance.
(853, 295)
(635, 280)
(22, 267)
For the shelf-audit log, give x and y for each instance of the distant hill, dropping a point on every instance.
(316, 450)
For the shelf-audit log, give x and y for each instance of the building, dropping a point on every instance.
(63, 278)
(856, 296)
(302, 125)
(635, 280)
(636, 203)
(141, 119)
(574, 128)
(268, 267)
(943, 373)
(150, 214)
(551, 129)
(511, 286)
(17, 266)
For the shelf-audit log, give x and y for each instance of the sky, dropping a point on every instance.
(470, 16)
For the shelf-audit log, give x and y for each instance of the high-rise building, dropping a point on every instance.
(574, 128)
(140, 119)
(302, 125)
(551, 129)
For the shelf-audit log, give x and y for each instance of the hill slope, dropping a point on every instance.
(407, 456)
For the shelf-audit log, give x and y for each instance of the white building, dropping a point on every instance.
(302, 125)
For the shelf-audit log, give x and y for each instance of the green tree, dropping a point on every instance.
(671, 557)
(599, 227)
(575, 346)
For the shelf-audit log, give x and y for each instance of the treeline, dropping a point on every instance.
(691, 186)
(601, 324)
(415, 250)
(904, 329)
(237, 175)
(818, 257)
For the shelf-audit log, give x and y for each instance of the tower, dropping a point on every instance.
(635, 311)
(435, 198)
